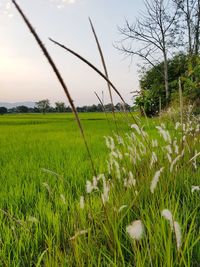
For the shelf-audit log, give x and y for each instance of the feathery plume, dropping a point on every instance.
(174, 226)
(174, 162)
(168, 216)
(155, 179)
(130, 181)
(136, 127)
(178, 234)
(135, 229)
(82, 202)
(195, 188)
(154, 159)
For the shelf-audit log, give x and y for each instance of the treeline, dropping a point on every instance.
(44, 106)
(166, 36)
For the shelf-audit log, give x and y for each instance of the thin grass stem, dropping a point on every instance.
(59, 77)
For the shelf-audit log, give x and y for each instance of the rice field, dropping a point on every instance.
(141, 209)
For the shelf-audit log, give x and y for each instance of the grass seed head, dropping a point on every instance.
(135, 229)
(178, 234)
(82, 202)
(195, 188)
(168, 216)
(155, 180)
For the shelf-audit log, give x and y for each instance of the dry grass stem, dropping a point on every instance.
(58, 75)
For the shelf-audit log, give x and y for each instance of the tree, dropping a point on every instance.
(3, 110)
(152, 86)
(60, 106)
(43, 105)
(22, 109)
(122, 106)
(68, 109)
(155, 32)
(190, 21)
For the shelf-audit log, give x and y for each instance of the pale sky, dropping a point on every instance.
(24, 72)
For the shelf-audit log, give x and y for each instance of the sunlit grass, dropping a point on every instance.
(44, 168)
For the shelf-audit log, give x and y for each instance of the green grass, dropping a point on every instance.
(40, 210)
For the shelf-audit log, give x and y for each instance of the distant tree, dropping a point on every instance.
(190, 24)
(99, 108)
(43, 105)
(156, 31)
(12, 110)
(122, 106)
(51, 109)
(3, 110)
(68, 109)
(60, 106)
(108, 107)
(22, 109)
(92, 108)
(36, 110)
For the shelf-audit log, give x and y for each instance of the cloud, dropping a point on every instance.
(69, 1)
(63, 3)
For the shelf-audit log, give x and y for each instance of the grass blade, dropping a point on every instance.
(103, 61)
(58, 75)
(90, 65)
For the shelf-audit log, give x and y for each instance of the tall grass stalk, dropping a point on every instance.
(105, 70)
(181, 101)
(90, 65)
(103, 63)
(59, 77)
(181, 107)
(103, 107)
(104, 77)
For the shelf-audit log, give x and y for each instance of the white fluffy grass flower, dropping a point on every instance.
(110, 142)
(135, 229)
(154, 143)
(82, 202)
(174, 162)
(155, 179)
(177, 230)
(130, 181)
(90, 186)
(106, 190)
(154, 159)
(195, 188)
(136, 127)
(174, 226)
(168, 216)
(164, 133)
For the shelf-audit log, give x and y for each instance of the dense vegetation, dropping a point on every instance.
(44, 106)
(152, 96)
(166, 36)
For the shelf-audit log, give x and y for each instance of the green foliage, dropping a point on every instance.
(152, 83)
(22, 109)
(60, 107)
(43, 105)
(3, 110)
